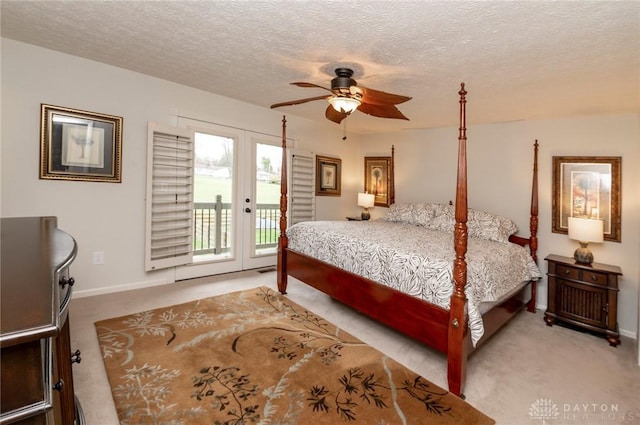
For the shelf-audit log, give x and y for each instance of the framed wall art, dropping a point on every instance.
(328, 176)
(378, 179)
(587, 187)
(80, 145)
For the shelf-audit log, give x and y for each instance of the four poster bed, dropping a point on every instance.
(397, 281)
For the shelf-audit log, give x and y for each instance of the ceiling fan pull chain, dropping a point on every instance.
(344, 130)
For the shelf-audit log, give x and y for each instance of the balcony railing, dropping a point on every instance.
(213, 226)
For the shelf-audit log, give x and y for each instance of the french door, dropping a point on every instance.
(236, 200)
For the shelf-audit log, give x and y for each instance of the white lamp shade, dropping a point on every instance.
(344, 104)
(586, 230)
(366, 200)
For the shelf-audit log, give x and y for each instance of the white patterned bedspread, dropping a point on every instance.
(417, 260)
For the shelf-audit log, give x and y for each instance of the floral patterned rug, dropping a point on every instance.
(255, 357)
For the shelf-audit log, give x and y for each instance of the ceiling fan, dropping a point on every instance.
(347, 96)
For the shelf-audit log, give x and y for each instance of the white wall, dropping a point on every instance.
(109, 217)
(500, 158)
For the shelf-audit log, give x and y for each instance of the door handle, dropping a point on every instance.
(248, 210)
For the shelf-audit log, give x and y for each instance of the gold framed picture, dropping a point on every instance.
(587, 187)
(80, 145)
(378, 179)
(328, 176)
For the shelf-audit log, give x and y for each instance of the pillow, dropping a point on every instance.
(416, 213)
(396, 213)
(480, 224)
(444, 219)
(484, 225)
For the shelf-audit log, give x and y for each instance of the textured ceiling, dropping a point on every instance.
(520, 59)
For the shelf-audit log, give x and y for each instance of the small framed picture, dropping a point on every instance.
(328, 176)
(80, 145)
(378, 179)
(587, 187)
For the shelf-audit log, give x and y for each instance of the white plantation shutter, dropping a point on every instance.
(169, 209)
(302, 188)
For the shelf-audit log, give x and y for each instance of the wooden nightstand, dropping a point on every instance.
(584, 295)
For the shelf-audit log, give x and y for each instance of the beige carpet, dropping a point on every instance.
(255, 356)
(525, 364)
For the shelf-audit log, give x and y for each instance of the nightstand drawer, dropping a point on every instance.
(593, 277)
(568, 272)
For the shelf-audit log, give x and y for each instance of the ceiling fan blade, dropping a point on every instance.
(310, 85)
(299, 101)
(334, 115)
(378, 97)
(382, 111)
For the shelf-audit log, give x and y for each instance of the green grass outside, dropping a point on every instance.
(207, 187)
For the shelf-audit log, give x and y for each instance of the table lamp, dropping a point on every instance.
(366, 201)
(585, 230)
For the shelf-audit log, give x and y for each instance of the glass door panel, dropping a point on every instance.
(217, 228)
(213, 197)
(263, 226)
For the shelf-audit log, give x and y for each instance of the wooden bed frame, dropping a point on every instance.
(445, 330)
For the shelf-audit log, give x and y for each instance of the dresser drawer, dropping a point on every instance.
(567, 272)
(586, 276)
(35, 420)
(594, 277)
(26, 382)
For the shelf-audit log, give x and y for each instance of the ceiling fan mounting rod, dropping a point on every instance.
(343, 80)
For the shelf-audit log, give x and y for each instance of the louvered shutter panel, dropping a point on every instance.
(302, 188)
(169, 211)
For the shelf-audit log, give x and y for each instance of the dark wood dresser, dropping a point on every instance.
(35, 346)
(585, 296)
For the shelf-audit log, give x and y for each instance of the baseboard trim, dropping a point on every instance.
(119, 288)
(623, 332)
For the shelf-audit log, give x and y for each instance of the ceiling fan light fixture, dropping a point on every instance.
(344, 104)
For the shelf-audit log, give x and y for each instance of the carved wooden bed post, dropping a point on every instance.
(392, 171)
(533, 224)
(283, 241)
(457, 357)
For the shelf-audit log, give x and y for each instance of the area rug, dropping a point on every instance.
(255, 357)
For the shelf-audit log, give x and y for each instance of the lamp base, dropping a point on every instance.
(365, 214)
(583, 255)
